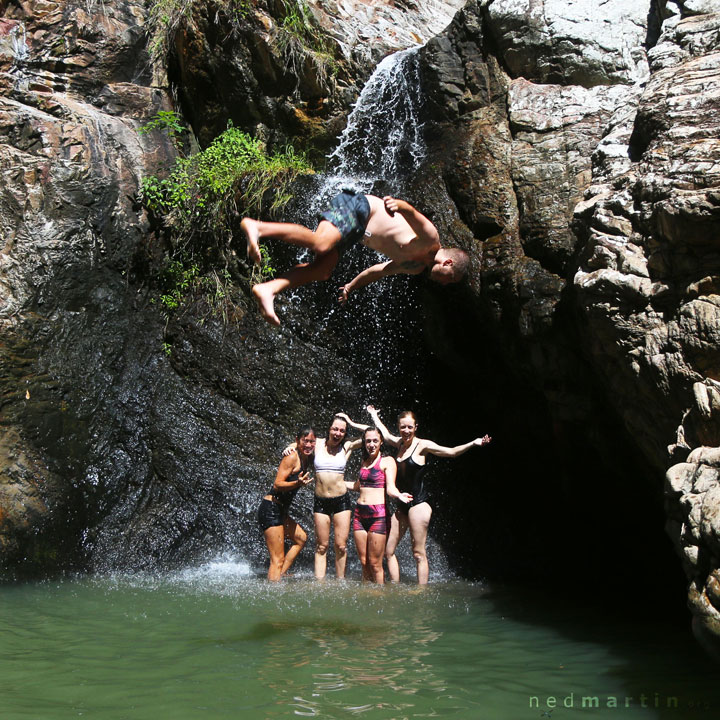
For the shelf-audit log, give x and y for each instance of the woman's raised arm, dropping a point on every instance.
(352, 424)
(428, 447)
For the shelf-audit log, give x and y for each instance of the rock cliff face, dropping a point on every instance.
(587, 172)
(103, 435)
(574, 154)
(114, 453)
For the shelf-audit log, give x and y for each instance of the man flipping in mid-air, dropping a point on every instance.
(390, 226)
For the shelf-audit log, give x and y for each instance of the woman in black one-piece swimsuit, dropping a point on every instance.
(411, 459)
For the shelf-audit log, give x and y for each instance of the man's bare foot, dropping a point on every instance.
(252, 233)
(266, 301)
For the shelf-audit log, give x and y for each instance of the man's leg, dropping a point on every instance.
(326, 237)
(319, 269)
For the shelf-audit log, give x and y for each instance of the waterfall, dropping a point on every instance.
(378, 152)
(383, 138)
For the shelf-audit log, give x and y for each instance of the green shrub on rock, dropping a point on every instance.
(234, 175)
(199, 204)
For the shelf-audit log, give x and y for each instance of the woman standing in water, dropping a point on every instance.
(376, 478)
(273, 514)
(411, 459)
(333, 506)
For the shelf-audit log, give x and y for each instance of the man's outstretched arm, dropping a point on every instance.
(379, 271)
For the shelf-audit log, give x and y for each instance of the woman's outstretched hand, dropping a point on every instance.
(482, 441)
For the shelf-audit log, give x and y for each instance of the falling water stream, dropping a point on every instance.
(217, 641)
(378, 152)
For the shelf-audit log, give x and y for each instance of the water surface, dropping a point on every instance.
(218, 642)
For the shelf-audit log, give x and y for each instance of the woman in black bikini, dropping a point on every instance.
(370, 526)
(273, 515)
(411, 458)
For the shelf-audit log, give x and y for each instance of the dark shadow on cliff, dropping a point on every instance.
(552, 502)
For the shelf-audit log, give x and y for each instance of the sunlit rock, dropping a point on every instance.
(571, 43)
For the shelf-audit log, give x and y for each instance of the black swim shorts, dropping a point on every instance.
(270, 514)
(349, 212)
(332, 505)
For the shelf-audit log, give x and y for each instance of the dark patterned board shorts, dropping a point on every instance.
(349, 212)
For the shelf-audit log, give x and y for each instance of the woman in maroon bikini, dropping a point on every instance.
(411, 458)
(370, 523)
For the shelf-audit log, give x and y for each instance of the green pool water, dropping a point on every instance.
(217, 642)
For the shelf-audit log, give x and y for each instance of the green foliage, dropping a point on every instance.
(240, 9)
(178, 278)
(265, 270)
(199, 203)
(234, 175)
(181, 281)
(201, 198)
(166, 121)
(300, 37)
(164, 17)
(299, 21)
